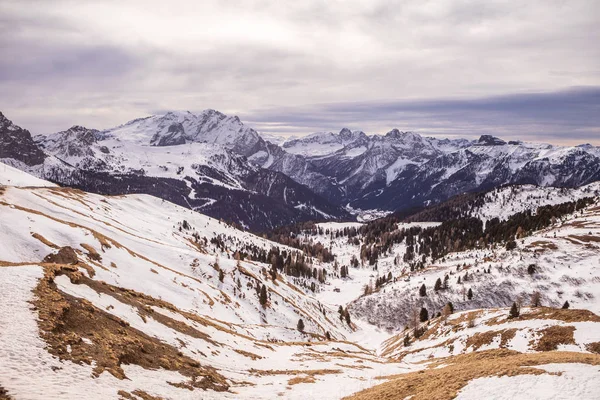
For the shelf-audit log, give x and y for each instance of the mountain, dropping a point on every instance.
(16, 143)
(205, 169)
(212, 162)
(403, 170)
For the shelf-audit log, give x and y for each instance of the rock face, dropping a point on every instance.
(16, 143)
(489, 140)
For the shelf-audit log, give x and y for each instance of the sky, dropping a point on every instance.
(527, 70)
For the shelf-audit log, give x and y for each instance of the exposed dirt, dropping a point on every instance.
(65, 255)
(65, 320)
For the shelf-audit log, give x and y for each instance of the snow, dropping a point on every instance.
(150, 254)
(154, 257)
(563, 381)
(10, 176)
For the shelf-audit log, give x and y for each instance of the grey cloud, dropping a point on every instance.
(569, 115)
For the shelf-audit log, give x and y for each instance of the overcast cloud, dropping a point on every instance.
(527, 70)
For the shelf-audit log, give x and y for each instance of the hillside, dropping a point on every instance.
(124, 288)
(133, 297)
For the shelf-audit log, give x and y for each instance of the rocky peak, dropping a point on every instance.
(489, 140)
(17, 143)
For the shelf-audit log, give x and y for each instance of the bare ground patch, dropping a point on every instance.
(445, 382)
(4, 394)
(65, 320)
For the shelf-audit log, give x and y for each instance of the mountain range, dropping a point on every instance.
(215, 164)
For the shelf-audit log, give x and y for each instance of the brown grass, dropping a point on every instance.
(545, 245)
(444, 383)
(301, 379)
(145, 396)
(565, 315)
(44, 240)
(481, 339)
(309, 372)
(485, 338)
(64, 320)
(91, 252)
(554, 336)
(586, 238)
(248, 354)
(593, 347)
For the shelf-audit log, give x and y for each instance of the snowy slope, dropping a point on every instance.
(10, 176)
(140, 245)
(566, 257)
(504, 202)
(145, 279)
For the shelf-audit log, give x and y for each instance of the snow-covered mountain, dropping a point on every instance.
(207, 171)
(402, 170)
(209, 161)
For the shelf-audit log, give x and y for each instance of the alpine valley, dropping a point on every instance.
(185, 256)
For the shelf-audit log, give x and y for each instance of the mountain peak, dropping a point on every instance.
(489, 140)
(402, 135)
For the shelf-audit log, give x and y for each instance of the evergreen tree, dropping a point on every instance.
(423, 291)
(470, 294)
(423, 315)
(348, 317)
(327, 335)
(566, 305)
(438, 285)
(221, 275)
(263, 296)
(300, 325)
(406, 340)
(514, 311)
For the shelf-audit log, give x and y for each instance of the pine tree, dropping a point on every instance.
(470, 294)
(514, 311)
(438, 285)
(406, 340)
(423, 291)
(423, 315)
(566, 305)
(348, 317)
(263, 296)
(327, 335)
(300, 325)
(221, 275)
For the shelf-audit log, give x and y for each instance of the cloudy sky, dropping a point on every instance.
(518, 69)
